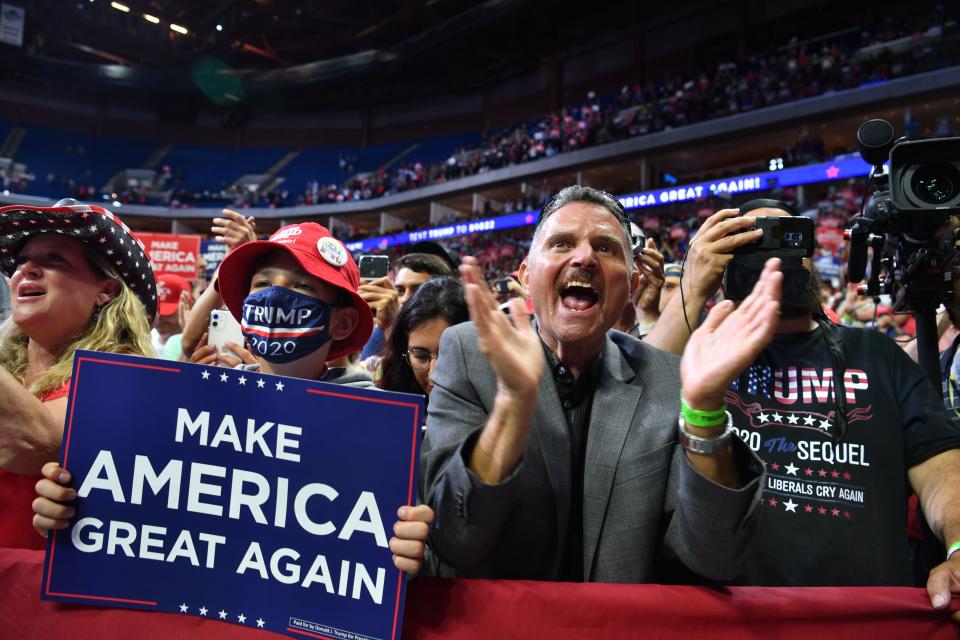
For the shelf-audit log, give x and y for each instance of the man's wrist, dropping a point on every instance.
(707, 401)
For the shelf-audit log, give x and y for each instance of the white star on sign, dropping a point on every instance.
(242, 618)
(183, 608)
(260, 622)
(223, 614)
(790, 469)
(206, 375)
(762, 417)
(260, 383)
(824, 425)
(242, 380)
(279, 386)
(777, 417)
(223, 377)
(793, 419)
(203, 611)
(790, 506)
(809, 421)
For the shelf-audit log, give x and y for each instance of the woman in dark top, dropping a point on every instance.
(414, 342)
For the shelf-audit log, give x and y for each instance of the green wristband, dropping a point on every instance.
(952, 549)
(697, 418)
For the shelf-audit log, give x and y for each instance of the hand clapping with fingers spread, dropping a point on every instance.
(729, 340)
(513, 348)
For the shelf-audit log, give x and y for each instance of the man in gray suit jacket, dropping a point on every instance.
(577, 474)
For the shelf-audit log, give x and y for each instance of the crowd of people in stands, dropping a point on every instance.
(799, 70)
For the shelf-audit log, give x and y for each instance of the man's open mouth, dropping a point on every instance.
(578, 295)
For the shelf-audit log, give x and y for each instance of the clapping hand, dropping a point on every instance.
(513, 349)
(730, 340)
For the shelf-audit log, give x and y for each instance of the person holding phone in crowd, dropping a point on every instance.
(386, 298)
(78, 280)
(305, 272)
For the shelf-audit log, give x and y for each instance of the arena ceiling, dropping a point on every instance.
(327, 54)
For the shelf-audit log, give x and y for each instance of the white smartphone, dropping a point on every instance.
(223, 328)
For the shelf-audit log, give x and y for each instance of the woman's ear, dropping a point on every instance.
(343, 322)
(108, 292)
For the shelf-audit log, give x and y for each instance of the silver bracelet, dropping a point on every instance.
(706, 446)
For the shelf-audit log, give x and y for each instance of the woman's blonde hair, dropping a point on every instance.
(120, 326)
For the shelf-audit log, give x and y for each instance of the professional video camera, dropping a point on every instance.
(907, 223)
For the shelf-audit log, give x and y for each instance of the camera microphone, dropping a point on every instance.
(875, 139)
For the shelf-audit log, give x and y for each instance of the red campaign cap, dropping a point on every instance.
(319, 254)
(169, 288)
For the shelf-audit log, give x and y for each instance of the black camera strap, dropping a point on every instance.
(838, 361)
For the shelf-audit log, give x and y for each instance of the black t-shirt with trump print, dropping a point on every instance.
(834, 512)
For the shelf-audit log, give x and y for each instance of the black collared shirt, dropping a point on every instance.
(576, 397)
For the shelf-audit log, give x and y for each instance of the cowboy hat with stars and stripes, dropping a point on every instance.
(96, 227)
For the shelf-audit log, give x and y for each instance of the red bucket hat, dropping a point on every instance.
(96, 227)
(319, 254)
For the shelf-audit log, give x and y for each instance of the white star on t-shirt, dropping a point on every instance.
(790, 506)
(279, 386)
(206, 375)
(183, 608)
(790, 469)
(809, 421)
(762, 417)
(792, 419)
(260, 383)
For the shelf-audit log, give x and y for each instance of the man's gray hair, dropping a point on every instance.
(588, 195)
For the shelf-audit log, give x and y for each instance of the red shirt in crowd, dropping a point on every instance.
(17, 493)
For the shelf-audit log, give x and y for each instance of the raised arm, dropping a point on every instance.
(516, 356)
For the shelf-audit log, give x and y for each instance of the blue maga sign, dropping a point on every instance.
(260, 500)
(213, 253)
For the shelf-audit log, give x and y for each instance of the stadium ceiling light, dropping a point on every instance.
(219, 27)
(120, 7)
(150, 18)
(178, 29)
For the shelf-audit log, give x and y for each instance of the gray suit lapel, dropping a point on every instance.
(615, 402)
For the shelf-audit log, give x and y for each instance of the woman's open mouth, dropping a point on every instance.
(29, 291)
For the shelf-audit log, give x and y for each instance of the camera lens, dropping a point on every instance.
(936, 183)
(215, 323)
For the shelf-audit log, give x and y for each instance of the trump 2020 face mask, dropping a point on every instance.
(281, 325)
